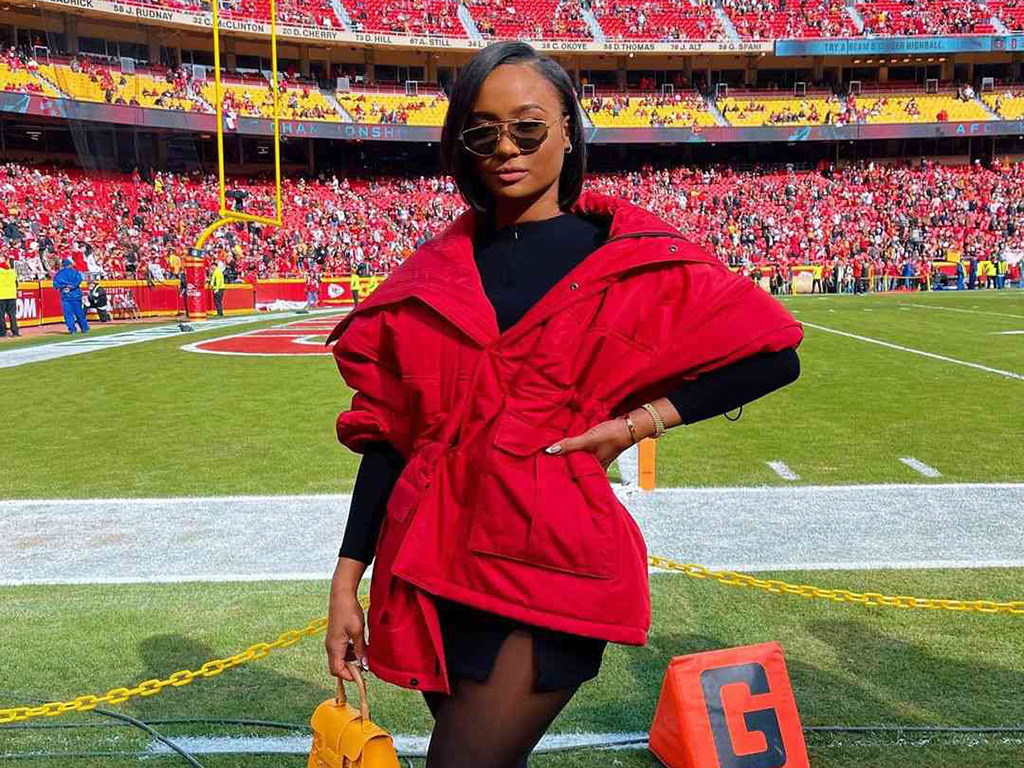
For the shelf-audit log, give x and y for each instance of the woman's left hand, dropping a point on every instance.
(605, 440)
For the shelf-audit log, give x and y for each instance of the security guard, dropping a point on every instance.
(217, 286)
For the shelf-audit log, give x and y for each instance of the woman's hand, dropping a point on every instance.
(345, 621)
(610, 438)
(605, 440)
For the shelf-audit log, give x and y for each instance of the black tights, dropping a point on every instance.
(494, 724)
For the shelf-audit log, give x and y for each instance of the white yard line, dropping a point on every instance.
(255, 538)
(966, 311)
(920, 466)
(911, 350)
(783, 471)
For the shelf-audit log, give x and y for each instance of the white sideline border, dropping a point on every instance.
(36, 550)
(927, 487)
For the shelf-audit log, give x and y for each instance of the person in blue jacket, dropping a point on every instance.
(68, 282)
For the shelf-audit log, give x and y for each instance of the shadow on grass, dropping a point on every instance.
(250, 691)
(920, 685)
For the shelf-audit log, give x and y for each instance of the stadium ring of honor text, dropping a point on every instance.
(803, 47)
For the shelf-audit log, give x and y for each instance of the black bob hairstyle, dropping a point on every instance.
(458, 163)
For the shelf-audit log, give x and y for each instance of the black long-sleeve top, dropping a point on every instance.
(518, 264)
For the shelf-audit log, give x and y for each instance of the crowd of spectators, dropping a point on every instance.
(889, 218)
(127, 227)
(661, 20)
(941, 17)
(774, 19)
(406, 17)
(530, 19)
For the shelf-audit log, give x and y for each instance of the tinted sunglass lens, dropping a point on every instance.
(482, 140)
(528, 134)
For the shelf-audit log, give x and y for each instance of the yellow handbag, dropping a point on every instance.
(345, 737)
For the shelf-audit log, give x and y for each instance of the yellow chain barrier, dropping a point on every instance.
(733, 579)
(214, 667)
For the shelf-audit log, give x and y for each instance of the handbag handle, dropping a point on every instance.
(364, 704)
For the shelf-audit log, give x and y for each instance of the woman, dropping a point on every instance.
(487, 370)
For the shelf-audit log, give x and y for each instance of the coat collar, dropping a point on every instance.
(442, 272)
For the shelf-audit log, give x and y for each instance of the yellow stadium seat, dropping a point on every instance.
(1009, 104)
(688, 112)
(21, 80)
(772, 110)
(261, 99)
(919, 108)
(421, 110)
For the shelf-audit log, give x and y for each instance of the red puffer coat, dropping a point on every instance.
(481, 514)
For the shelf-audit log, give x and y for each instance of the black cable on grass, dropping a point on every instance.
(306, 728)
(155, 734)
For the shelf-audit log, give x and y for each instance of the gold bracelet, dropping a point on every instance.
(632, 428)
(659, 425)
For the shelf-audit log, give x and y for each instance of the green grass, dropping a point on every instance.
(849, 665)
(154, 420)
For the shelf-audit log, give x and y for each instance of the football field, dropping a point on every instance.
(177, 499)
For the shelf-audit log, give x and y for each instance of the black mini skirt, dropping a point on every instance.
(473, 637)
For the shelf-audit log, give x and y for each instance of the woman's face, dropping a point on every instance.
(519, 91)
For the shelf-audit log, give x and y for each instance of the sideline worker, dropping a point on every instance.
(8, 298)
(68, 282)
(217, 286)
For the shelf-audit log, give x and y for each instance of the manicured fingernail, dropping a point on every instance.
(553, 448)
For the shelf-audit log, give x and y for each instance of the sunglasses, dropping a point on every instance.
(527, 134)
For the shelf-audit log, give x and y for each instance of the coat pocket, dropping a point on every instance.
(541, 509)
(403, 499)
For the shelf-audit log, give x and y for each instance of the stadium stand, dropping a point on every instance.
(256, 99)
(623, 111)
(530, 19)
(406, 17)
(750, 109)
(19, 79)
(310, 13)
(370, 107)
(774, 19)
(880, 213)
(1008, 103)
(84, 80)
(891, 17)
(658, 20)
(1010, 12)
(916, 108)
